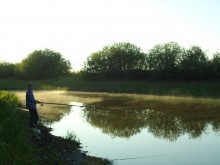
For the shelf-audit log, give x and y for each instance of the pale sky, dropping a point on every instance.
(77, 28)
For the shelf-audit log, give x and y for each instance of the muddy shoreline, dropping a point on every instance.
(54, 150)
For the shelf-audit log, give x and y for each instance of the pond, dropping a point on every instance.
(137, 129)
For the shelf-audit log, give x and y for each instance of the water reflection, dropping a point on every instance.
(114, 124)
(53, 113)
(167, 120)
(126, 115)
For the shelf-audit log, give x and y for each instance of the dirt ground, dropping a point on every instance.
(53, 150)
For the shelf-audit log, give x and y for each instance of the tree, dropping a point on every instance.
(194, 63)
(119, 57)
(97, 62)
(7, 69)
(215, 65)
(164, 59)
(43, 64)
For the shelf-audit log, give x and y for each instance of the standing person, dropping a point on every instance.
(31, 105)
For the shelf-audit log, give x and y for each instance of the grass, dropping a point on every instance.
(15, 144)
(71, 136)
(75, 83)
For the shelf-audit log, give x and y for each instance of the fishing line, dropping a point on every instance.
(91, 107)
(144, 157)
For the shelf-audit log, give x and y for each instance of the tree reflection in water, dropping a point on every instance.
(167, 120)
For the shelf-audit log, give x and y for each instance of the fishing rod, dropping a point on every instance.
(82, 106)
(62, 104)
(85, 106)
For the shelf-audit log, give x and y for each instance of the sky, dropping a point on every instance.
(78, 28)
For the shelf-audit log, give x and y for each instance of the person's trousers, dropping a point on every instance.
(33, 117)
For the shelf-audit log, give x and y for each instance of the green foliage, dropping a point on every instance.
(71, 136)
(122, 61)
(119, 57)
(163, 59)
(43, 64)
(9, 98)
(194, 63)
(75, 83)
(7, 69)
(15, 146)
(168, 61)
(215, 65)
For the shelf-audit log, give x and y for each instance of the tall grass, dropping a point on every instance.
(15, 144)
(70, 135)
(74, 83)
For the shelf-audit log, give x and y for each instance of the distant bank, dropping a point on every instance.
(74, 83)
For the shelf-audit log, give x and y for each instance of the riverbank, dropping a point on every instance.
(57, 150)
(20, 144)
(74, 83)
(15, 144)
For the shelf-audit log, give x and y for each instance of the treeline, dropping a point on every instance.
(40, 64)
(167, 61)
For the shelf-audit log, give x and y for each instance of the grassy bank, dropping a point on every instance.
(15, 144)
(20, 145)
(74, 83)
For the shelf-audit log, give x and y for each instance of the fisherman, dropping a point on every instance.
(31, 105)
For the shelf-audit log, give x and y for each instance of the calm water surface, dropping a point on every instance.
(138, 129)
